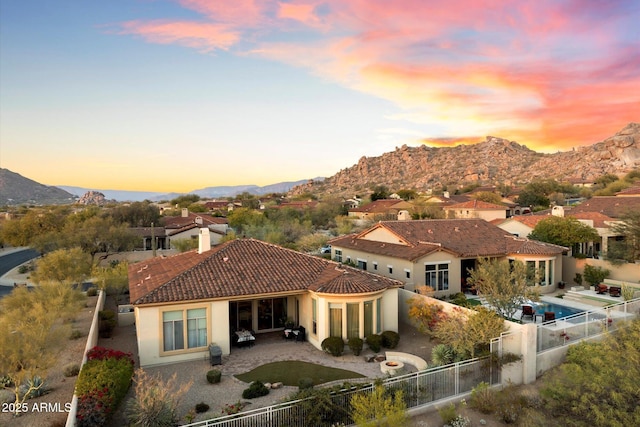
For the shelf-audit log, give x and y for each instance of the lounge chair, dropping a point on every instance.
(614, 291)
(527, 310)
(549, 316)
(601, 289)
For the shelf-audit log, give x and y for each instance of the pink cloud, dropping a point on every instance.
(205, 37)
(552, 73)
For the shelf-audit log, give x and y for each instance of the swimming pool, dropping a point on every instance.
(559, 310)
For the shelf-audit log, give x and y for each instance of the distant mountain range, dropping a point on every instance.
(493, 161)
(16, 190)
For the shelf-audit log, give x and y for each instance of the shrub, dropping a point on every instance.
(34, 387)
(483, 398)
(305, 383)
(333, 345)
(214, 376)
(448, 413)
(71, 370)
(234, 408)
(459, 421)
(75, 334)
(256, 389)
(442, 354)
(355, 344)
(92, 292)
(390, 339)
(103, 382)
(155, 400)
(201, 407)
(107, 323)
(374, 342)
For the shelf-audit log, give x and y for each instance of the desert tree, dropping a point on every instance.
(379, 409)
(503, 284)
(598, 382)
(184, 245)
(68, 266)
(563, 231)
(424, 311)
(112, 278)
(32, 333)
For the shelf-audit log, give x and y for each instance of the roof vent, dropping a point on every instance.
(456, 229)
(225, 259)
(148, 277)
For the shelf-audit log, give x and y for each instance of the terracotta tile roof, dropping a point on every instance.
(629, 192)
(461, 237)
(477, 204)
(244, 267)
(599, 220)
(611, 206)
(180, 221)
(529, 220)
(379, 206)
(519, 245)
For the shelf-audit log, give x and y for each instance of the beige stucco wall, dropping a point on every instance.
(557, 269)
(516, 228)
(487, 215)
(382, 235)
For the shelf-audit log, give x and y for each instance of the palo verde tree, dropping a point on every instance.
(597, 385)
(503, 284)
(379, 409)
(563, 231)
(112, 278)
(32, 333)
(66, 266)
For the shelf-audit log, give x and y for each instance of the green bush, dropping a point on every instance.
(214, 376)
(333, 345)
(201, 407)
(107, 323)
(305, 383)
(92, 292)
(374, 342)
(448, 413)
(71, 370)
(390, 339)
(483, 398)
(355, 344)
(256, 389)
(101, 386)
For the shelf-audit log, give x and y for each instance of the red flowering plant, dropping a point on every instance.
(230, 409)
(101, 353)
(94, 408)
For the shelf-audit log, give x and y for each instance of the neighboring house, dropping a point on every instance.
(477, 209)
(185, 302)
(519, 225)
(446, 199)
(440, 253)
(629, 192)
(611, 206)
(381, 209)
(189, 224)
(147, 235)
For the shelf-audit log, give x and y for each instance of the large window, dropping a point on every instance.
(540, 272)
(314, 324)
(335, 320)
(362, 264)
(368, 318)
(437, 276)
(338, 256)
(272, 313)
(175, 328)
(353, 320)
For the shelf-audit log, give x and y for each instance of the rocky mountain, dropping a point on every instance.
(493, 161)
(16, 189)
(93, 198)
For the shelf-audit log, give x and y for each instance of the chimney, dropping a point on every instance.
(204, 241)
(557, 211)
(185, 212)
(446, 194)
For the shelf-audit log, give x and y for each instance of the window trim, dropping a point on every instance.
(185, 328)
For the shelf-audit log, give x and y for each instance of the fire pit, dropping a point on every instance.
(391, 367)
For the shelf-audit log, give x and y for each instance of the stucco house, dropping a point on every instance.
(185, 302)
(380, 209)
(477, 209)
(189, 224)
(439, 253)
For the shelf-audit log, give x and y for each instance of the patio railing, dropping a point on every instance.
(572, 329)
(419, 389)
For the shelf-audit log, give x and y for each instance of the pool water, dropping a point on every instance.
(559, 310)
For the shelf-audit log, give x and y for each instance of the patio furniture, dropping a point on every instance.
(243, 338)
(601, 289)
(614, 291)
(549, 316)
(527, 310)
(301, 335)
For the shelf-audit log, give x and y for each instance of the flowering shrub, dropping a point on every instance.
(103, 382)
(230, 409)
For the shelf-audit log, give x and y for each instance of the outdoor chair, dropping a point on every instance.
(527, 310)
(549, 316)
(614, 291)
(601, 289)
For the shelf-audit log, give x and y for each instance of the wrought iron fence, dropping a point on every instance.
(572, 329)
(418, 389)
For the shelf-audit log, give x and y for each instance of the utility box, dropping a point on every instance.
(215, 355)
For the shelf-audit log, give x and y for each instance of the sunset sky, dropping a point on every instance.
(162, 95)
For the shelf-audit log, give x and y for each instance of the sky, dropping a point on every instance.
(177, 95)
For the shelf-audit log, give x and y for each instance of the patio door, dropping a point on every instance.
(335, 320)
(240, 315)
